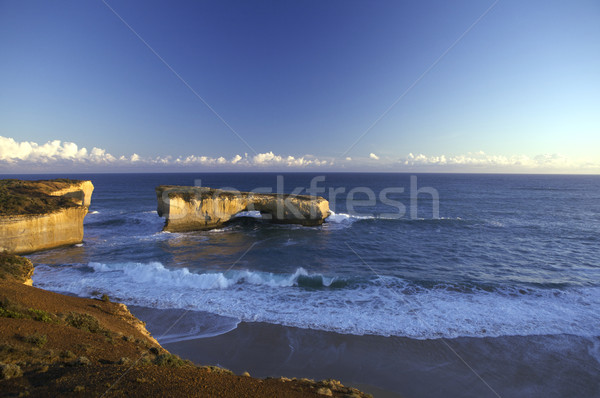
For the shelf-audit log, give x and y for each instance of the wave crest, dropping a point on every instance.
(158, 274)
(382, 306)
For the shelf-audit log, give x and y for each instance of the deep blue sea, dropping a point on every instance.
(507, 255)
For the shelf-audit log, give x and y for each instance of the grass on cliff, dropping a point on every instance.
(19, 197)
(10, 309)
(13, 267)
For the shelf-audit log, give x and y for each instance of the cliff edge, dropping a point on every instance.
(40, 215)
(54, 345)
(200, 208)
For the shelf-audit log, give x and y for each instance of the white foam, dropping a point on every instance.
(386, 306)
(345, 218)
(169, 326)
(156, 274)
(249, 213)
(94, 212)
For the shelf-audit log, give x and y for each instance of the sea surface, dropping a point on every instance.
(504, 258)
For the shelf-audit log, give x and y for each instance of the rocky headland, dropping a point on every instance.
(40, 215)
(56, 345)
(201, 208)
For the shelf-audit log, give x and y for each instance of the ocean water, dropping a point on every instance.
(503, 256)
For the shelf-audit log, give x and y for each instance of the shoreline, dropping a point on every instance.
(398, 366)
(60, 345)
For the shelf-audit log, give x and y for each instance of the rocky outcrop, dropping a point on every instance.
(79, 191)
(15, 268)
(23, 230)
(198, 208)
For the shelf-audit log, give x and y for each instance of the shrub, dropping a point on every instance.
(9, 371)
(15, 267)
(42, 316)
(170, 360)
(67, 354)
(84, 322)
(36, 339)
(10, 309)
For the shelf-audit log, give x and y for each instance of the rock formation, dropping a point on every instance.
(40, 215)
(198, 208)
(79, 191)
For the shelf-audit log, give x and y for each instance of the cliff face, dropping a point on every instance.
(59, 226)
(196, 208)
(30, 233)
(80, 192)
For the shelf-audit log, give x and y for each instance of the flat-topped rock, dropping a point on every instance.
(40, 215)
(200, 208)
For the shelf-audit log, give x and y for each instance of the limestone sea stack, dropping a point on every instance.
(44, 214)
(201, 208)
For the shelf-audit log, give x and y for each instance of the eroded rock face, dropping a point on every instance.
(80, 192)
(198, 208)
(27, 233)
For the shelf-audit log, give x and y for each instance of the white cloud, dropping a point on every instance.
(99, 156)
(481, 161)
(30, 153)
(266, 158)
(25, 155)
(270, 159)
(13, 151)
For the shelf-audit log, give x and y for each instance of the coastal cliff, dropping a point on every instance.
(79, 191)
(200, 208)
(40, 215)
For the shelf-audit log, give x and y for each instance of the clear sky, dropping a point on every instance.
(514, 87)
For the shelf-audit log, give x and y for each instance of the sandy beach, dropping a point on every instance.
(405, 367)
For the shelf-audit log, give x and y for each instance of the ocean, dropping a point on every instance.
(425, 284)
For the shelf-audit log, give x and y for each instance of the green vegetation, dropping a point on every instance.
(38, 340)
(9, 371)
(15, 267)
(84, 322)
(9, 309)
(67, 354)
(18, 197)
(171, 360)
(216, 369)
(42, 316)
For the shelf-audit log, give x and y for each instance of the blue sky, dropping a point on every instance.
(300, 82)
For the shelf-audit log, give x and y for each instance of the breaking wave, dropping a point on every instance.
(383, 306)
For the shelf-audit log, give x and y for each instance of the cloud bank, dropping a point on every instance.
(481, 160)
(25, 153)
(56, 155)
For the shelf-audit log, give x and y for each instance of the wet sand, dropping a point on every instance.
(513, 366)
